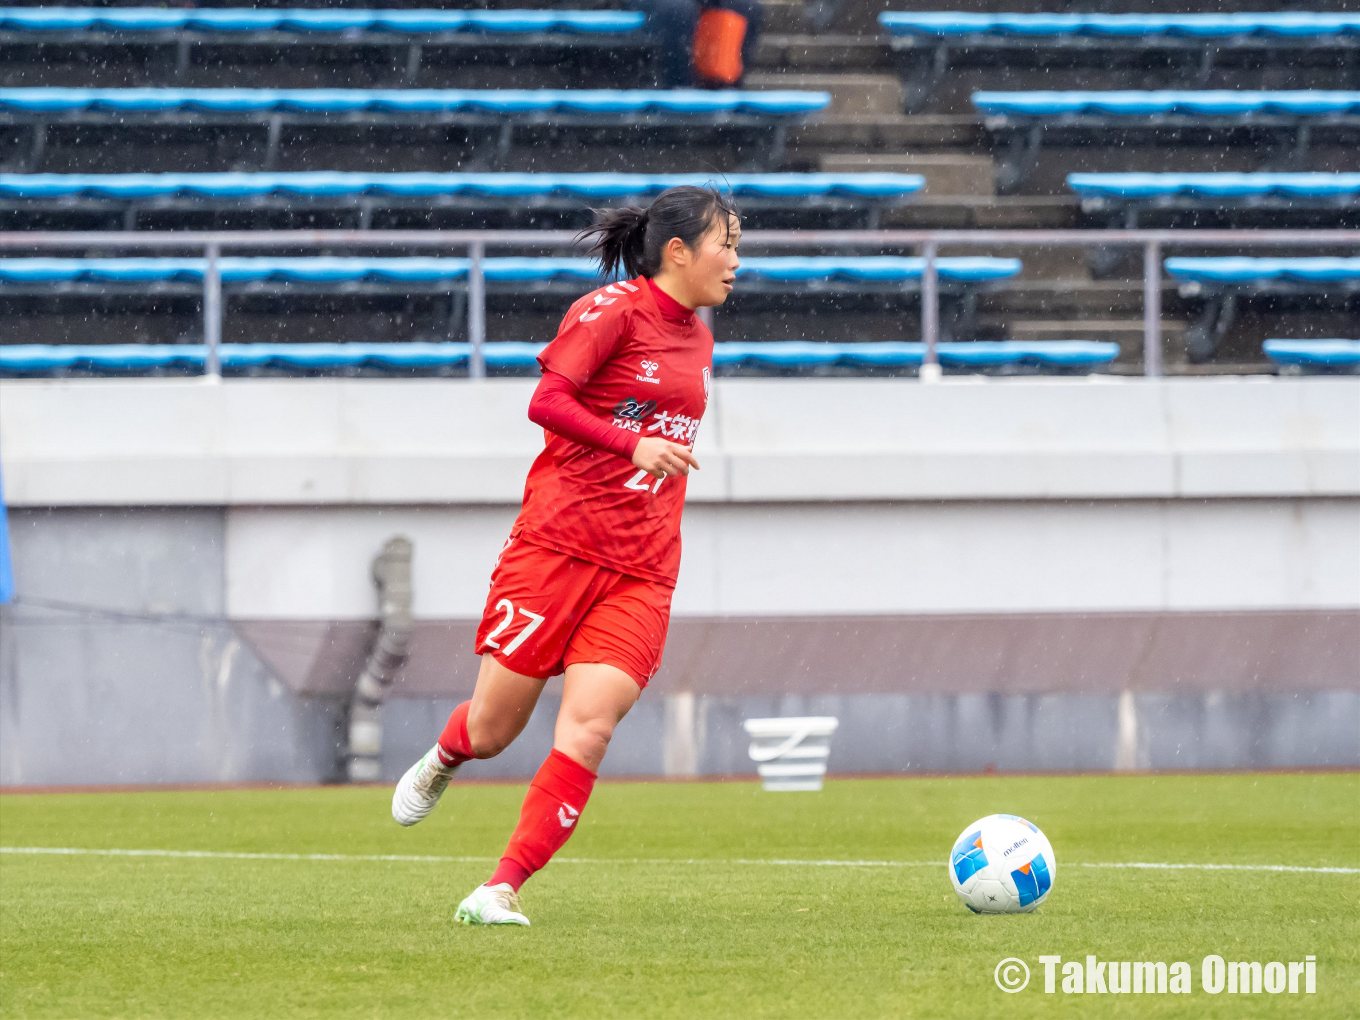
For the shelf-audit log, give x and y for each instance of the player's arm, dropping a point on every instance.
(557, 407)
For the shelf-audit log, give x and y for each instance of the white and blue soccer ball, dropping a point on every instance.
(1002, 864)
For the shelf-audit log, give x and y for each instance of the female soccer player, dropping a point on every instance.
(583, 584)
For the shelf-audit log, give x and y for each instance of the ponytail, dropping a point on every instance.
(620, 240)
(634, 238)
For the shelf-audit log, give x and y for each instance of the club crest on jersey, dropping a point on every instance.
(650, 368)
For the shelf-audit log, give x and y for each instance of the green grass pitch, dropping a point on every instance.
(659, 910)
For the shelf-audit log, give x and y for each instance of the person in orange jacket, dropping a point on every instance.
(672, 23)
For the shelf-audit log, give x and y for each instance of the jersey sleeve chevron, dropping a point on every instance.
(590, 333)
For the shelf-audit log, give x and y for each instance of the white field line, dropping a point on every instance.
(699, 861)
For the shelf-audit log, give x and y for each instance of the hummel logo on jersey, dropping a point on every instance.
(601, 300)
(649, 367)
(562, 813)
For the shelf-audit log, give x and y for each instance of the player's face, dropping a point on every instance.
(713, 269)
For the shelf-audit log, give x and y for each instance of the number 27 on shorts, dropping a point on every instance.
(507, 607)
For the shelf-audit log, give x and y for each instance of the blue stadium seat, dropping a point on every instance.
(516, 186)
(1125, 196)
(1184, 102)
(1224, 283)
(322, 102)
(1210, 188)
(130, 194)
(312, 22)
(922, 41)
(494, 113)
(46, 360)
(1021, 121)
(785, 272)
(1123, 26)
(1265, 273)
(52, 359)
(974, 354)
(1315, 354)
(139, 38)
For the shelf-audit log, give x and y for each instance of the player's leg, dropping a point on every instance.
(595, 697)
(483, 727)
(610, 657)
(537, 596)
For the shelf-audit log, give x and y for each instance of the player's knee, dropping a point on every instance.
(590, 738)
(487, 741)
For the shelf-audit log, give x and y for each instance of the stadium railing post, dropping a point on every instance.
(930, 314)
(212, 310)
(476, 311)
(1152, 309)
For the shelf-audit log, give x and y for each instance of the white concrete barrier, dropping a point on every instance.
(791, 753)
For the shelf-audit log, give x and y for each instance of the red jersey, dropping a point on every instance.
(649, 373)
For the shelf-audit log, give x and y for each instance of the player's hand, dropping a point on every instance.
(661, 458)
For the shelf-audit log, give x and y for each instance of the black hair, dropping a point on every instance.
(634, 238)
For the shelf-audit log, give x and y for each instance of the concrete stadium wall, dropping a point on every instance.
(1028, 573)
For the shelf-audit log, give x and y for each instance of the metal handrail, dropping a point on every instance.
(214, 243)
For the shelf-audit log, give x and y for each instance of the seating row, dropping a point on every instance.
(1221, 285)
(1018, 121)
(939, 23)
(43, 359)
(312, 23)
(130, 194)
(808, 272)
(151, 101)
(932, 24)
(1279, 125)
(1211, 187)
(493, 113)
(788, 269)
(1182, 48)
(1314, 353)
(49, 101)
(1124, 197)
(1275, 25)
(1266, 272)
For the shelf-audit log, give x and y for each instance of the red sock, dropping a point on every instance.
(454, 746)
(557, 796)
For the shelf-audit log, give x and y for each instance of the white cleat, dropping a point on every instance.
(491, 904)
(420, 789)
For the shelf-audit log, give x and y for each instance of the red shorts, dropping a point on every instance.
(547, 611)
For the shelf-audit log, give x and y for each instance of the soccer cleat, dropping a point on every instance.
(491, 904)
(420, 789)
